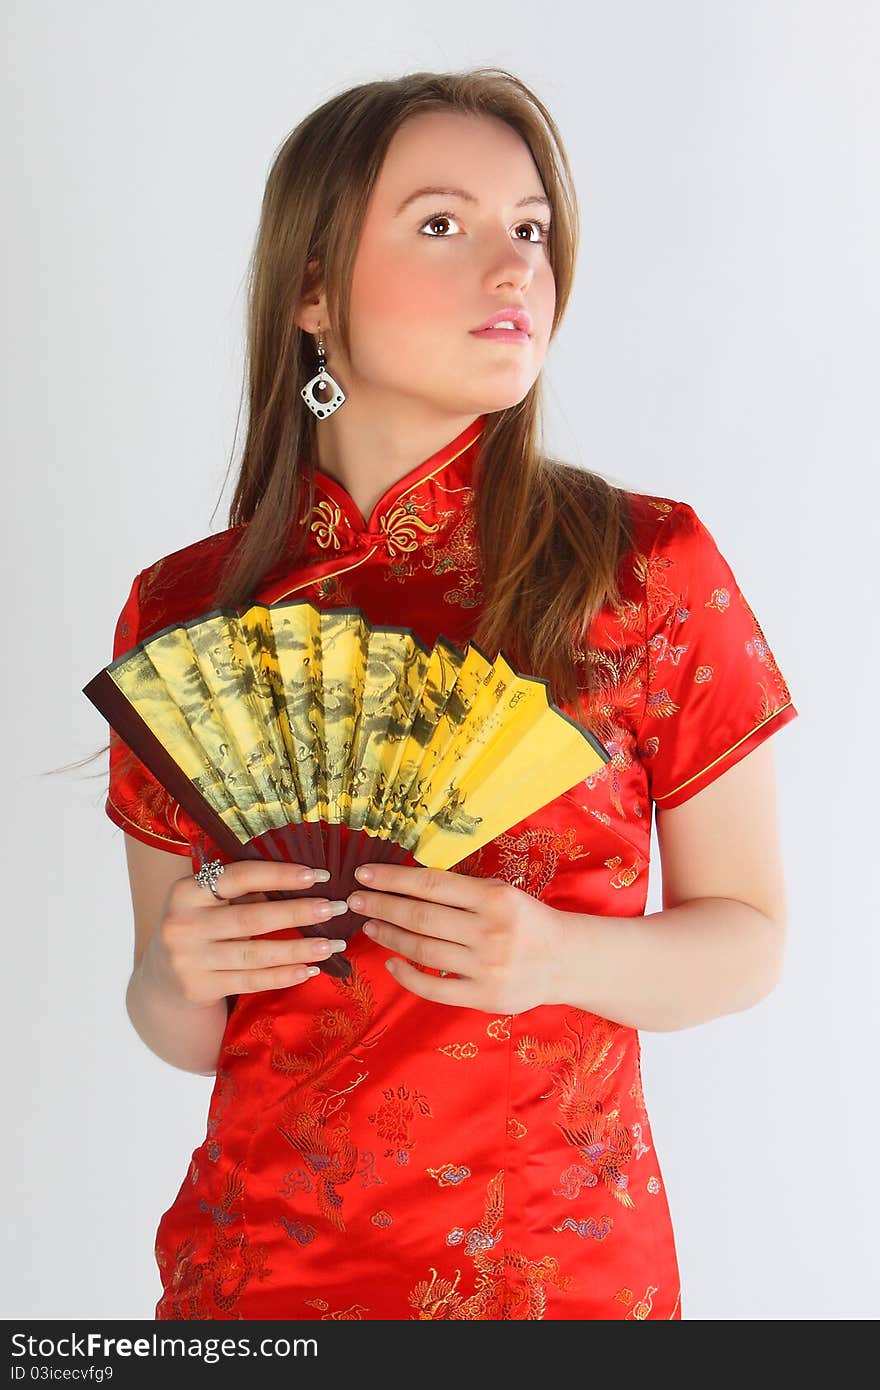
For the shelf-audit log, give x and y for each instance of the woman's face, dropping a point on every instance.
(421, 283)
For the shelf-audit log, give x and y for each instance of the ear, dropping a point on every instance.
(312, 308)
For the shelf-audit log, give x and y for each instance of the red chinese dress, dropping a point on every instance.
(368, 1153)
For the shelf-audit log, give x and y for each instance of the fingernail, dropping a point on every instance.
(321, 875)
(364, 873)
(337, 907)
(313, 970)
(338, 945)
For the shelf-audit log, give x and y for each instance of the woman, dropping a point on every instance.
(462, 1135)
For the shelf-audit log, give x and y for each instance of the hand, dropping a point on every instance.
(203, 950)
(500, 943)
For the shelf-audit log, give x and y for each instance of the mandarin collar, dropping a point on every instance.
(409, 507)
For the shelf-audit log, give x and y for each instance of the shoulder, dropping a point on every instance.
(645, 516)
(656, 521)
(182, 584)
(669, 555)
(656, 532)
(670, 538)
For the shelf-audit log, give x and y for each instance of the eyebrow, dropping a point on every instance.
(530, 200)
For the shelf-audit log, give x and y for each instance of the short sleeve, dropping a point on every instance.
(136, 801)
(714, 691)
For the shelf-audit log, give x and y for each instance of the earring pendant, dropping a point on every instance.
(322, 394)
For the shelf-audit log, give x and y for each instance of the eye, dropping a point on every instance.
(543, 227)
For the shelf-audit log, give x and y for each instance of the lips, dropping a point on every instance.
(519, 317)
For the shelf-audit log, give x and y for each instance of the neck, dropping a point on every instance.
(367, 450)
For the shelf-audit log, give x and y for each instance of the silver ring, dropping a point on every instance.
(208, 875)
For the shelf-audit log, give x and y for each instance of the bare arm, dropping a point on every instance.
(192, 951)
(718, 945)
(186, 1035)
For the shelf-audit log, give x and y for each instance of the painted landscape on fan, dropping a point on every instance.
(292, 732)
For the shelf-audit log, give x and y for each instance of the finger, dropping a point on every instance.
(433, 987)
(425, 918)
(424, 950)
(252, 955)
(276, 977)
(437, 885)
(245, 876)
(257, 919)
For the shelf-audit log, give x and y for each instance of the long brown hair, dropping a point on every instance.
(551, 536)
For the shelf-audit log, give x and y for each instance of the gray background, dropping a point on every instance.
(721, 348)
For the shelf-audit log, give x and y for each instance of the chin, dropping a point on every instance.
(495, 401)
(500, 394)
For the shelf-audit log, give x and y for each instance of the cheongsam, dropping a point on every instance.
(369, 1154)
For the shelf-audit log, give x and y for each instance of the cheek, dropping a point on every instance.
(391, 289)
(543, 295)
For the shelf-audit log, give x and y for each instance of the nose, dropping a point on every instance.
(512, 267)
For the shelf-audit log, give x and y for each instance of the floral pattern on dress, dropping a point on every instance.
(369, 1154)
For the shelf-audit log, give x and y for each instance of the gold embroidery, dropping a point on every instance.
(453, 552)
(224, 1091)
(720, 600)
(328, 518)
(588, 1227)
(660, 705)
(352, 1314)
(459, 1050)
(394, 1118)
(659, 598)
(589, 1123)
(681, 785)
(420, 481)
(458, 555)
(331, 589)
(305, 583)
(499, 1027)
(617, 698)
(329, 1155)
(640, 1148)
(627, 877)
(138, 824)
(450, 1175)
(529, 860)
(400, 526)
(313, 1119)
(759, 648)
(509, 1285)
(642, 1309)
(261, 1029)
(192, 1283)
(637, 1095)
(434, 1296)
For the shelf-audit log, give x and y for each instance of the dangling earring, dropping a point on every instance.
(322, 394)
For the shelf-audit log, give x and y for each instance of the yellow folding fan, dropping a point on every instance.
(295, 734)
